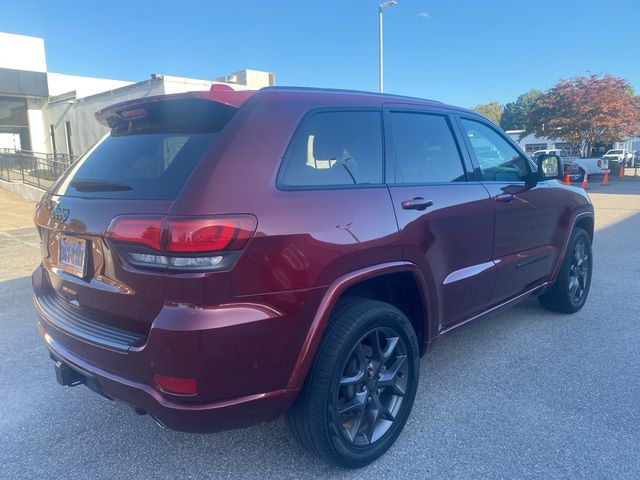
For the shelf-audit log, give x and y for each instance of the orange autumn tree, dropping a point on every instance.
(587, 110)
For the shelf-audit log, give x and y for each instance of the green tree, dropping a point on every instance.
(493, 111)
(516, 115)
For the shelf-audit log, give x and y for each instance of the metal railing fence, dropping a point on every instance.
(33, 168)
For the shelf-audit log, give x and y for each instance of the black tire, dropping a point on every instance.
(582, 174)
(570, 290)
(314, 418)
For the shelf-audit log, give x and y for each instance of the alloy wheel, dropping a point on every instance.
(578, 272)
(372, 386)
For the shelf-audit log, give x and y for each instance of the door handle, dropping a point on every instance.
(416, 203)
(504, 197)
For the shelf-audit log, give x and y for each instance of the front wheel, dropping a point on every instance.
(361, 387)
(571, 288)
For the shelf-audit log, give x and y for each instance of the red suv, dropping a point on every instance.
(222, 258)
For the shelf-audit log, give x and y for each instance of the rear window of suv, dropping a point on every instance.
(150, 158)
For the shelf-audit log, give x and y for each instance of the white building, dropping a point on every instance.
(531, 143)
(53, 113)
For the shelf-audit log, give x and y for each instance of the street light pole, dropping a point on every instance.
(380, 66)
(381, 7)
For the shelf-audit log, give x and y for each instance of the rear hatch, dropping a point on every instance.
(136, 171)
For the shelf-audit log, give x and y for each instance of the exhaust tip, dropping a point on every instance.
(158, 422)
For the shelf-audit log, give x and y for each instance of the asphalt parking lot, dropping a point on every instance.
(525, 394)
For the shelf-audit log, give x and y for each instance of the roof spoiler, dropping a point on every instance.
(230, 100)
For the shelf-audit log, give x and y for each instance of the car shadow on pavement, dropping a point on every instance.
(525, 393)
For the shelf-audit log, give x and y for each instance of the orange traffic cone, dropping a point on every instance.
(621, 171)
(585, 182)
(605, 179)
(567, 180)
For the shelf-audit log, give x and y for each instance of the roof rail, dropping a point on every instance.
(341, 90)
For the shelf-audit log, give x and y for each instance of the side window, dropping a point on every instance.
(336, 148)
(498, 160)
(425, 151)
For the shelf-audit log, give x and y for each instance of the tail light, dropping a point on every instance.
(181, 243)
(143, 231)
(206, 235)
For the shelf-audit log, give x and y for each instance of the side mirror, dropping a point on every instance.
(549, 167)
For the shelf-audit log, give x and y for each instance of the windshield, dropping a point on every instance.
(614, 152)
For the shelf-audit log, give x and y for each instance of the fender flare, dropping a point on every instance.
(565, 246)
(335, 290)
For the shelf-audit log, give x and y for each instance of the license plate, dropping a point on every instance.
(72, 254)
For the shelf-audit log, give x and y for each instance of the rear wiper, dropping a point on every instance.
(88, 185)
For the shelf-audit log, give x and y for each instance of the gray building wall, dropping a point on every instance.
(59, 108)
(68, 112)
(80, 113)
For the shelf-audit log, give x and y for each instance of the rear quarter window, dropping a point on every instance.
(335, 148)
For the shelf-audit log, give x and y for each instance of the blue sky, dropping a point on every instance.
(459, 51)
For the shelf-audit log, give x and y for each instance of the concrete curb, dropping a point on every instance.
(25, 191)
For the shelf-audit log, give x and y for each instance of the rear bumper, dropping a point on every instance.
(199, 418)
(241, 354)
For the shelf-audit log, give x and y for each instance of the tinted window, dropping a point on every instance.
(425, 150)
(498, 160)
(142, 166)
(151, 151)
(336, 148)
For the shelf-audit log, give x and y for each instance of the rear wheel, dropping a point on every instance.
(360, 390)
(571, 288)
